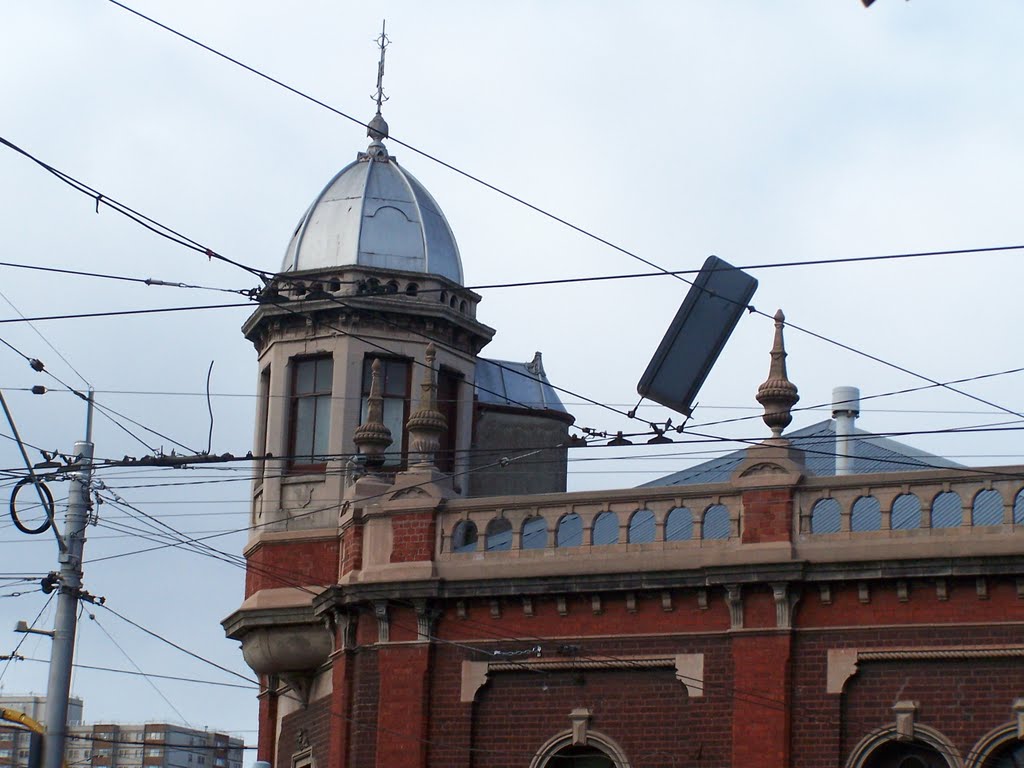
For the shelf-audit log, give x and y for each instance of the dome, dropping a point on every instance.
(374, 213)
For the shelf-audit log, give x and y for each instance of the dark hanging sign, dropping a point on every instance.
(698, 333)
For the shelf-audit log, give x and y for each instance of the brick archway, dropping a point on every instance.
(924, 735)
(594, 739)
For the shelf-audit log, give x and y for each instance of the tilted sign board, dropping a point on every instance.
(698, 333)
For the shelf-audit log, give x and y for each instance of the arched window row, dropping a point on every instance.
(1000, 748)
(907, 512)
(680, 524)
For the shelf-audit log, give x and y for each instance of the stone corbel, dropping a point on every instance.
(380, 610)
(342, 626)
(1018, 717)
(301, 684)
(734, 600)
(426, 618)
(785, 602)
(905, 713)
(580, 719)
(842, 665)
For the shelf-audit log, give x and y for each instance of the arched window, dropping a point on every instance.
(716, 522)
(679, 525)
(987, 508)
(906, 513)
(464, 536)
(1010, 755)
(579, 757)
(1018, 508)
(897, 754)
(866, 514)
(535, 533)
(825, 516)
(412, 289)
(570, 531)
(641, 527)
(606, 529)
(498, 535)
(947, 510)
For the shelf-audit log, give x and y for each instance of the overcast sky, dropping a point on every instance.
(759, 132)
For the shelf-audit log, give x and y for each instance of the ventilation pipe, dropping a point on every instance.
(845, 410)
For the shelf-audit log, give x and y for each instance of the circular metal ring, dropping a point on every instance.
(47, 506)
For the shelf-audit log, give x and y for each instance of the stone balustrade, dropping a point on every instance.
(833, 518)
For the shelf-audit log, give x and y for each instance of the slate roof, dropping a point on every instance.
(515, 385)
(872, 454)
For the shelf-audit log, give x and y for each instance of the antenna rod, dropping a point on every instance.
(382, 42)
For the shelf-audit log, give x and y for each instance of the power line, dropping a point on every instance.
(125, 278)
(552, 216)
(131, 661)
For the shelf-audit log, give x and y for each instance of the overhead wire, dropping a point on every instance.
(138, 669)
(537, 209)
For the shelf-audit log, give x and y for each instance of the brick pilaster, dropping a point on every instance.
(761, 700)
(402, 728)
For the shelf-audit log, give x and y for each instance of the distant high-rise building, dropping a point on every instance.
(120, 745)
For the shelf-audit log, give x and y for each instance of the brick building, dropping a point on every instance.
(401, 614)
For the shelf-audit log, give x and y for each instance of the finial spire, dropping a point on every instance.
(372, 437)
(427, 424)
(378, 127)
(778, 394)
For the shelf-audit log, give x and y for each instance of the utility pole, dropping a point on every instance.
(65, 624)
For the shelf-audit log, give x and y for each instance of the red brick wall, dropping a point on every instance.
(767, 516)
(886, 622)
(760, 722)
(413, 537)
(291, 563)
(265, 747)
(403, 706)
(365, 694)
(351, 549)
(647, 711)
(316, 722)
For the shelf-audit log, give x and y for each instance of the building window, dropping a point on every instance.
(154, 751)
(310, 413)
(448, 404)
(395, 385)
(579, 757)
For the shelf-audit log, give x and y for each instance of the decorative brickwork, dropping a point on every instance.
(767, 515)
(413, 537)
(276, 564)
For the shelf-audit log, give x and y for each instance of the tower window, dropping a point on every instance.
(310, 413)
(395, 385)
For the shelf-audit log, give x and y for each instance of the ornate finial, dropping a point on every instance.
(372, 437)
(778, 394)
(378, 127)
(428, 424)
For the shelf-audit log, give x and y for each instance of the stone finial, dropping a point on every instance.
(427, 424)
(778, 394)
(372, 437)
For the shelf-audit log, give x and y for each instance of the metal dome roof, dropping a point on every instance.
(374, 213)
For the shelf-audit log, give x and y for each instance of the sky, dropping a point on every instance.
(763, 133)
